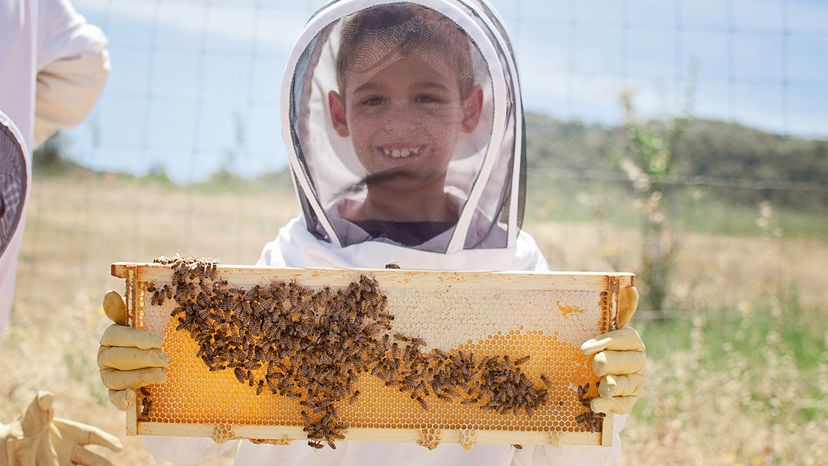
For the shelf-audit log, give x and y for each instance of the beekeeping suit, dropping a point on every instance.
(36, 437)
(405, 98)
(53, 65)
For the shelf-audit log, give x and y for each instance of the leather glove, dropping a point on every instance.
(619, 360)
(38, 438)
(128, 358)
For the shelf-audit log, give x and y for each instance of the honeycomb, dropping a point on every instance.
(547, 325)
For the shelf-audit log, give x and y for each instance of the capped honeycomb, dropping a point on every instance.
(526, 328)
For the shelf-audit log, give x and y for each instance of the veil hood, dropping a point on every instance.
(485, 169)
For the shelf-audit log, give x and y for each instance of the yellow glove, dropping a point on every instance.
(38, 438)
(619, 361)
(128, 358)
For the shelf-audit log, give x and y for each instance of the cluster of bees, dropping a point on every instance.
(590, 420)
(313, 345)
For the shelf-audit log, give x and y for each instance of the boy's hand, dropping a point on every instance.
(128, 358)
(619, 361)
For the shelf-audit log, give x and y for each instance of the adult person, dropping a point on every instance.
(53, 66)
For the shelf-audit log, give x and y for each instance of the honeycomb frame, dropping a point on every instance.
(517, 313)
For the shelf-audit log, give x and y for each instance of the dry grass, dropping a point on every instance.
(696, 412)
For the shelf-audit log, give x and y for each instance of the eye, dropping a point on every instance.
(372, 101)
(428, 99)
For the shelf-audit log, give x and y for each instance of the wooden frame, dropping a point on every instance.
(604, 285)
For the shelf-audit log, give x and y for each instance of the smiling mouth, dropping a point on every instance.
(402, 152)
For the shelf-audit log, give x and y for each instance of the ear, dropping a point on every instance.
(339, 119)
(472, 107)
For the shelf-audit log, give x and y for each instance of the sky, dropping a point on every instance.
(195, 85)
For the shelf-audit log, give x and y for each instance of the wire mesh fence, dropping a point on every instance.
(194, 97)
(193, 80)
(195, 90)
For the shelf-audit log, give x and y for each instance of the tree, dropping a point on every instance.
(650, 162)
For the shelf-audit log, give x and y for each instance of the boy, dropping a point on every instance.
(403, 120)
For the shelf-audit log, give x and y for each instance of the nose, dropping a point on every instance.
(400, 117)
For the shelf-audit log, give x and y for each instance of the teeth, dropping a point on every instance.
(401, 153)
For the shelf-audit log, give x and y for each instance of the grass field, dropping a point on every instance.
(737, 376)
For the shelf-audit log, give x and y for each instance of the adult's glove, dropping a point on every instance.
(128, 358)
(619, 360)
(38, 438)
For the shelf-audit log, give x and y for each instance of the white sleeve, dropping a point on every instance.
(72, 68)
(271, 255)
(537, 455)
(186, 450)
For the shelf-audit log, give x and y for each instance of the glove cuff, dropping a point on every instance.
(8, 437)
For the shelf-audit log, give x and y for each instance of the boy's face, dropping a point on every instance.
(406, 119)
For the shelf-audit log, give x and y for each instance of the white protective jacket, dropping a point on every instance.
(487, 178)
(53, 65)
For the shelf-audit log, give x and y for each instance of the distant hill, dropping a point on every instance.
(715, 149)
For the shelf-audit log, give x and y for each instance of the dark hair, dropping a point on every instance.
(410, 26)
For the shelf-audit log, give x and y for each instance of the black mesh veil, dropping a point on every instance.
(406, 125)
(13, 180)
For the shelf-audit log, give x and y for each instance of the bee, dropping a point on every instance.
(372, 329)
(146, 406)
(202, 300)
(290, 344)
(392, 265)
(315, 444)
(251, 293)
(394, 365)
(582, 391)
(183, 324)
(546, 381)
(582, 418)
(522, 360)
